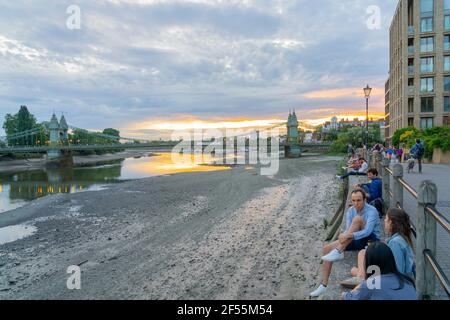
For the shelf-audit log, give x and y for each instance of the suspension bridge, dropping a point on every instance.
(58, 139)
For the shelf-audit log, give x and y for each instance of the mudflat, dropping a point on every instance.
(230, 234)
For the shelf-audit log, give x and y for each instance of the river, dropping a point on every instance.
(18, 188)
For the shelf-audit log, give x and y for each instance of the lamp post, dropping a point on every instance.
(367, 91)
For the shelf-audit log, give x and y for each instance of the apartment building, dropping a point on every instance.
(418, 88)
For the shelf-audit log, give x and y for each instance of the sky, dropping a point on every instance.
(148, 66)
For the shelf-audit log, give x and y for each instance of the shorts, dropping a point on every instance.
(357, 245)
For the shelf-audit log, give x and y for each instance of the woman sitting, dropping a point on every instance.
(388, 284)
(398, 226)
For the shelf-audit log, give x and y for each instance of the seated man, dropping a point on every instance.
(362, 171)
(374, 190)
(362, 226)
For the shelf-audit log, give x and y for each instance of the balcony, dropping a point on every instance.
(411, 90)
(411, 50)
(410, 70)
(410, 30)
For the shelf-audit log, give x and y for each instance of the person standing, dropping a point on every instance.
(418, 150)
(399, 154)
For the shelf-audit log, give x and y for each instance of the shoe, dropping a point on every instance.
(318, 292)
(351, 283)
(333, 256)
(338, 177)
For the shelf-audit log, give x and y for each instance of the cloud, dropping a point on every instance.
(210, 59)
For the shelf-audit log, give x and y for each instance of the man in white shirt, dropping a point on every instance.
(362, 171)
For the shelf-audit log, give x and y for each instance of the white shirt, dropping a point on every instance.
(364, 168)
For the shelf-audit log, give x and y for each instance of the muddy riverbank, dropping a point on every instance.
(230, 234)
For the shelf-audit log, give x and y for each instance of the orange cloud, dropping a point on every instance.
(343, 92)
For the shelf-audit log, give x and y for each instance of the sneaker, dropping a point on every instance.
(351, 283)
(318, 292)
(338, 177)
(333, 256)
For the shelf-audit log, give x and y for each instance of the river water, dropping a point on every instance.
(16, 189)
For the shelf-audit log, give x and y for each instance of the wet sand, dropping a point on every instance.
(206, 235)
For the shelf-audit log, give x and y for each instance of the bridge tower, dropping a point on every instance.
(54, 152)
(293, 149)
(56, 157)
(64, 128)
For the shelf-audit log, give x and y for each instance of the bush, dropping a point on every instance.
(404, 135)
(339, 146)
(433, 138)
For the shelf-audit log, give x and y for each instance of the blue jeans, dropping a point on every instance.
(357, 245)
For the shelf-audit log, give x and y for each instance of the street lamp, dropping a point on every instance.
(367, 91)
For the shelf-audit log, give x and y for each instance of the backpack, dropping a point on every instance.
(379, 205)
(420, 150)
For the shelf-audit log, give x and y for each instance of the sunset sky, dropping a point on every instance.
(148, 66)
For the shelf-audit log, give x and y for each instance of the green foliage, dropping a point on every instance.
(339, 146)
(352, 135)
(433, 138)
(21, 121)
(396, 137)
(112, 132)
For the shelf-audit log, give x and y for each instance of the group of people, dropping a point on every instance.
(392, 260)
(416, 153)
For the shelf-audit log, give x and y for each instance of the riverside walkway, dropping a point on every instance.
(440, 175)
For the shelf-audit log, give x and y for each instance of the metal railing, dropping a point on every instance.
(427, 267)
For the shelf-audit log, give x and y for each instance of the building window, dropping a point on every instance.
(426, 6)
(427, 64)
(411, 105)
(427, 44)
(426, 24)
(445, 120)
(446, 104)
(427, 104)
(446, 83)
(447, 22)
(446, 4)
(446, 63)
(427, 84)
(447, 42)
(426, 123)
(410, 122)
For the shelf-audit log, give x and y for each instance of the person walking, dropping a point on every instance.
(418, 150)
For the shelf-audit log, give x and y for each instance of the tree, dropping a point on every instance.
(21, 121)
(112, 132)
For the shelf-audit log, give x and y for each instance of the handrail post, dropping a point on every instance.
(426, 239)
(378, 163)
(397, 187)
(386, 182)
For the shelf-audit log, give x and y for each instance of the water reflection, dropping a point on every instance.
(18, 188)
